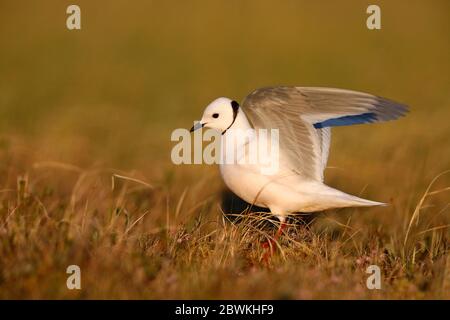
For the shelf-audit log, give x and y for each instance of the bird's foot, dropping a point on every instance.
(268, 247)
(269, 244)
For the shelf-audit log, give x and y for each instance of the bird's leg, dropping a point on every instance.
(270, 244)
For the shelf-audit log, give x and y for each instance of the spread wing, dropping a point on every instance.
(304, 116)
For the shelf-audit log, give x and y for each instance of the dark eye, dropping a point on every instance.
(215, 115)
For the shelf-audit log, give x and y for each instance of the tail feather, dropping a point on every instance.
(325, 198)
(360, 202)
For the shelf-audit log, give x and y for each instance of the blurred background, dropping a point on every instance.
(134, 72)
(109, 95)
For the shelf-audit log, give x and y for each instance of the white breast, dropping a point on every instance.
(254, 183)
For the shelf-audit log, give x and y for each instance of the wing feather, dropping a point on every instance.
(304, 116)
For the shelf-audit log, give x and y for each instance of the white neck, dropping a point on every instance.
(241, 121)
(237, 135)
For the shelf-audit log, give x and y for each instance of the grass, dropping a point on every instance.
(85, 167)
(133, 239)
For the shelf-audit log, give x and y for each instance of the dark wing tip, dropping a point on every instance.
(386, 109)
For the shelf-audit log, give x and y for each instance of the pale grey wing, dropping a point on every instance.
(300, 145)
(304, 116)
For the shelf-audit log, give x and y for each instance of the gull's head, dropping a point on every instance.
(219, 114)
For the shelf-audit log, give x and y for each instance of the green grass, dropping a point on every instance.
(78, 107)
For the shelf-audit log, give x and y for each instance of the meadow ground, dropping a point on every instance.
(85, 170)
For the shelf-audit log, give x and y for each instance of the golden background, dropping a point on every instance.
(78, 106)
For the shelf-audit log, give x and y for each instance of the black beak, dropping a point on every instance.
(196, 126)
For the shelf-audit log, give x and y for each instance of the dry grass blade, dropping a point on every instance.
(58, 165)
(433, 229)
(129, 179)
(420, 205)
(135, 222)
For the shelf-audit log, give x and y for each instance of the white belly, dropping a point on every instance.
(255, 188)
(282, 191)
(256, 183)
